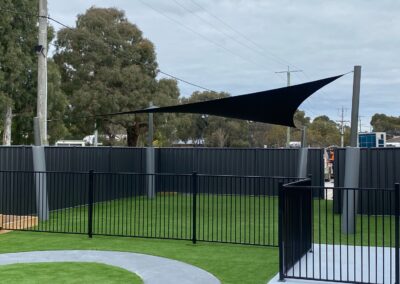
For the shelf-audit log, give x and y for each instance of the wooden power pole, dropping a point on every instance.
(41, 50)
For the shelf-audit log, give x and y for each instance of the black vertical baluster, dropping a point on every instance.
(212, 206)
(194, 192)
(319, 236)
(355, 194)
(326, 233)
(397, 232)
(376, 236)
(240, 210)
(333, 235)
(281, 231)
(235, 215)
(231, 208)
(265, 192)
(390, 234)
(217, 179)
(226, 207)
(347, 236)
(369, 235)
(259, 210)
(361, 193)
(90, 201)
(273, 217)
(383, 235)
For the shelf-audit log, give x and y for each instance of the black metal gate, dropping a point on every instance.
(295, 221)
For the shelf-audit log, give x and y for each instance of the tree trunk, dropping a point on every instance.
(132, 132)
(7, 126)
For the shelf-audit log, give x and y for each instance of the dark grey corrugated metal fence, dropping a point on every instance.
(68, 159)
(231, 161)
(379, 168)
(218, 161)
(211, 161)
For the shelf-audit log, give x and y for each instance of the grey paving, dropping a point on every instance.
(151, 269)
(342, 263)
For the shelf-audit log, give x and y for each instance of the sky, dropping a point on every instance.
(237, 46)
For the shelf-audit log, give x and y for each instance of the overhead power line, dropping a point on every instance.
(222, 31)
(247, 38)
(199, 34)
(135, 61)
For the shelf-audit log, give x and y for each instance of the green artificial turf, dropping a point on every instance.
(224, 218)
(229, 263)
(372, 230)
(66, 272)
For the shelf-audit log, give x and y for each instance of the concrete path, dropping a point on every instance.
(342, 263)
(152, 269)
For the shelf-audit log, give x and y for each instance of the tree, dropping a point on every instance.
(57, 104)
(165, 124)
(323, 132)
(214, 131)
(108, 66)
(18, 36)
(384, 123)
(275, 135)
(193, 126)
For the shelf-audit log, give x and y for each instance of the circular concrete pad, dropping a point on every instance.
(152, 269)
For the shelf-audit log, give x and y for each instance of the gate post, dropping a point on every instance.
(281, 201)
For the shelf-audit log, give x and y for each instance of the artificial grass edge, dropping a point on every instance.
(59, 272)
(228, 262)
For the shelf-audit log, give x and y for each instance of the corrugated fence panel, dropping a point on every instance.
(16, 158)
(67, 159)
(379, 168)
(242, 162)
(100, 159)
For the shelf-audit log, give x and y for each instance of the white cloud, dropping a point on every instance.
(323, 38)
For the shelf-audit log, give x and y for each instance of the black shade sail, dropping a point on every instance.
(276, 106)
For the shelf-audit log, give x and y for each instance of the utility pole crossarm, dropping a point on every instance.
(288, 72)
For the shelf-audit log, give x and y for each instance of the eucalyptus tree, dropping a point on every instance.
(108, 66)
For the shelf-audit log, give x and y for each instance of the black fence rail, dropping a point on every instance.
(356, 245)
(196, 207)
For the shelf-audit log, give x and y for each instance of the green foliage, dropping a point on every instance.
(18, 72)
(57, 104)
(323, 132)
(18, 36)
(215, 131)
(108, 66)
(384, 123)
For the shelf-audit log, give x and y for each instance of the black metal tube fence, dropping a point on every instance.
(195, 207)
(355, 245)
